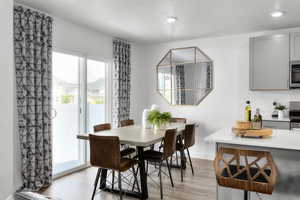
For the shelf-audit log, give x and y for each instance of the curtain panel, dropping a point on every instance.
(33, 57)
(180, 83)
(121, 82)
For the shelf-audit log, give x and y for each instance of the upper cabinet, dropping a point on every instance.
(295, 46)
(269, 62)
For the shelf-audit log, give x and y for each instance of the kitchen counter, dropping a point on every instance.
(281, 139)
(284, 146)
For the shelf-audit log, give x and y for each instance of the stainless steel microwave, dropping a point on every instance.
(295, 74)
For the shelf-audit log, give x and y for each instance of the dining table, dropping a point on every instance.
(141, 138)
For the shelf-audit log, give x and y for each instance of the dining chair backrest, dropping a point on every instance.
(127, 122)
(178, 120)
(105, 151)
(169, 142)
(102, 127)
(189, 135)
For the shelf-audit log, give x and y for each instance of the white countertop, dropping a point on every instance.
(281, 139)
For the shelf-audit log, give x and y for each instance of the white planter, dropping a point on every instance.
(145, 122)
(280, 114)
(155, 107)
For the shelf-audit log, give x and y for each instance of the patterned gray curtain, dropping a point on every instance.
(121, 82)
(180, 83)
(33, 57)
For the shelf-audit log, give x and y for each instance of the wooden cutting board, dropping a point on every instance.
(262, 133)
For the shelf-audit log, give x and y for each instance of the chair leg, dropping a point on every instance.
(113, 180)
(190, 161)
(245, 195)
(170, 172)
(96, 182)
(181, 171)
(176, 158)
(147, 167)
(120, 185)
(135, 179)
(160, 181)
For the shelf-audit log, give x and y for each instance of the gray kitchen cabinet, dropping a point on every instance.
(269, 62)
(276, 124)
(295, 46)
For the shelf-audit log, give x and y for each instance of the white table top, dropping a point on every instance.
(136, 135)
(281, 139)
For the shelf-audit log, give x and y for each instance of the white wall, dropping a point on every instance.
(6, 99)
(225, 103)
(73, 38)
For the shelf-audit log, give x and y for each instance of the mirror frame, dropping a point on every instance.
(195, 61)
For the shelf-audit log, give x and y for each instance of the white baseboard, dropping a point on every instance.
(204, 156)
(11, 197)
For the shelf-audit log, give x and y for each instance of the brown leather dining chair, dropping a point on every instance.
(127, 122)
(177, 120)
(188, 141)
(105, 154)
(102, 127)
(107, 126)
(158, 157)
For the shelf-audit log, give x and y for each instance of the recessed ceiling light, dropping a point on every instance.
(171, 20)
(277, 13)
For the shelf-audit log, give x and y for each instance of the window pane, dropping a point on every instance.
(95, 93)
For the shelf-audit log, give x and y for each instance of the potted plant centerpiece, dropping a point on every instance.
(158, 119)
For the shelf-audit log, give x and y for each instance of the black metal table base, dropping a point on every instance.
(174, 166)
(125, 192)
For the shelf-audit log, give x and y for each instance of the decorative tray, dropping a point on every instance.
(253, 133)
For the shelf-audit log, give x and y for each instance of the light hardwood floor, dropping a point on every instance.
(202, 186)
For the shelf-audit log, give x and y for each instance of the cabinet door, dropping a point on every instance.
(295, 46)
(276, 125)
(269, 62)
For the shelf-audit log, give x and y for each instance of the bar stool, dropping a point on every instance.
(248, 170)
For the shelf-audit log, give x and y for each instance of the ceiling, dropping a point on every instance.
(145, 20)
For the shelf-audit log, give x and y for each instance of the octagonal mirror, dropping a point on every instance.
(184, 76)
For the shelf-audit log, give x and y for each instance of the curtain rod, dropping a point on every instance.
(116, 38)
(34, 9)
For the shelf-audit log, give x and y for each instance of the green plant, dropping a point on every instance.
(67, 99)
(157, 118)
(280, 107)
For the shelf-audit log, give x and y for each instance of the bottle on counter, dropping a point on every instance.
(257, 120)
(248, 112)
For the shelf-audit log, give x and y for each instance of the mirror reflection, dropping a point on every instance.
(184, 76)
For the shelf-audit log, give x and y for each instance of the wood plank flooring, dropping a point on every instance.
(202, 186)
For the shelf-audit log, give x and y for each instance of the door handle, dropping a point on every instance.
(54, 113)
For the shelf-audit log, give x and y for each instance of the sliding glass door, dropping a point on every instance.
(78, 93)
(95, 93)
